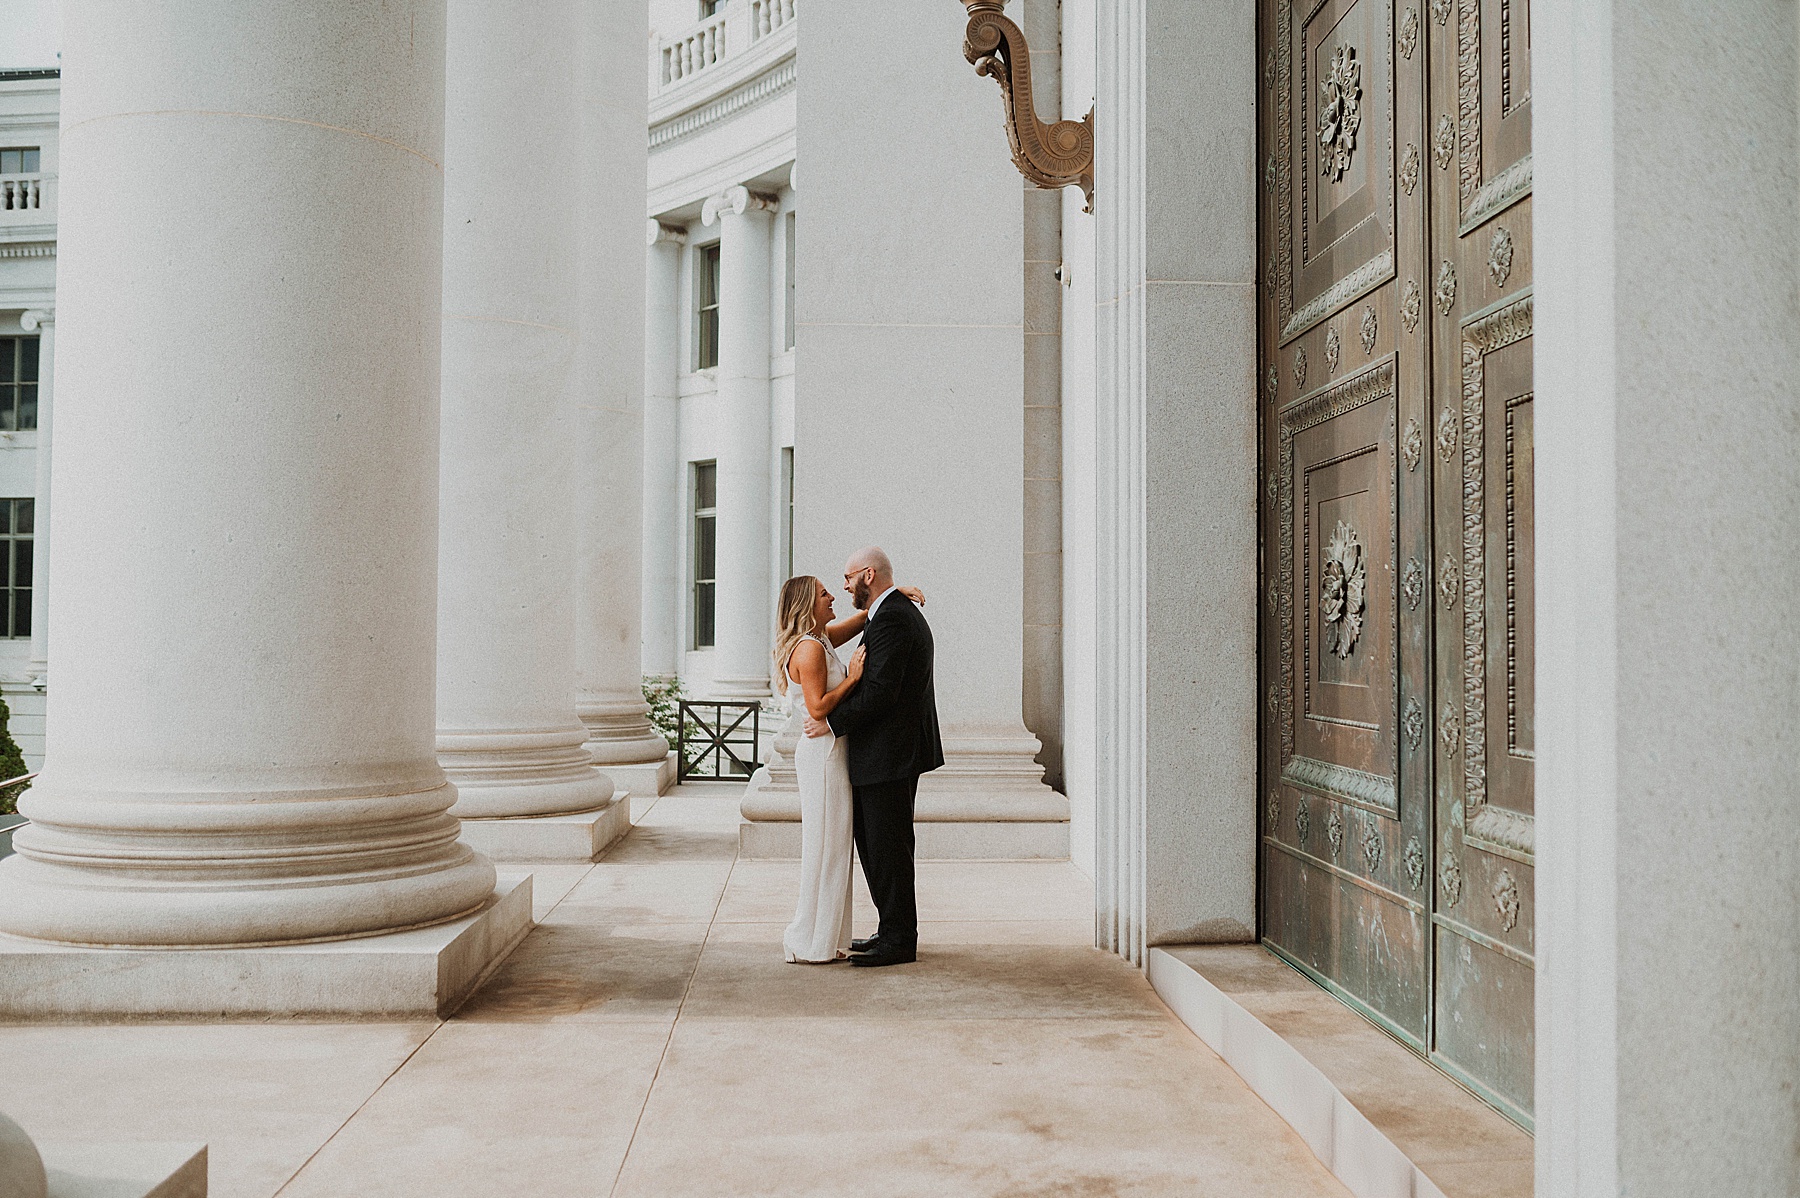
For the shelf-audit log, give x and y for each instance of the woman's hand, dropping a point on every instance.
(855, 668)
(913, 593)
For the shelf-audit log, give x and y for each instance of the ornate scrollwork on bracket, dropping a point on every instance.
(1051, 156)
(1340, 112)
(1343, 590)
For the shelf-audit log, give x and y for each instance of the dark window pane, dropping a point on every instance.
(21, 613)
(706, 485)
(31, 161)
(9, 409)
(27, 405)
(709, 339)
(9, 358)
(10, 161)
(706, 549)
(21, 563)
(25, 509)
(28, 359)
(703, 616)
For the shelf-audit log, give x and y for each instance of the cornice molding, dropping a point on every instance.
(30, 249)
(776, 81)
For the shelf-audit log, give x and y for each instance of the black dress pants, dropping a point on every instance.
(884, 841)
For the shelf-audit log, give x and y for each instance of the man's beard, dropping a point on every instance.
(859, 595)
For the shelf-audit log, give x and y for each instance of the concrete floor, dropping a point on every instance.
(648, 1041)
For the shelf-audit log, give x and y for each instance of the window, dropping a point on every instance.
(19, 160)
(708, 8)
(789, 340)
(706, 302)
(787, 511)
(18, 383)
(15, 535)
(706, 552)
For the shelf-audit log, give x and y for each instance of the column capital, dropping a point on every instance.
(33, 318)
(737, 201)
(656, 232)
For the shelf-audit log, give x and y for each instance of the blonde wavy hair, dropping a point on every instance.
(794, 622)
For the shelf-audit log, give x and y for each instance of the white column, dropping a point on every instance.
(44, 320)
(662, 450)
(909, 404)
(240, 750)
(609, 694)
(508, 735)
(746, 607)
(1667, 375)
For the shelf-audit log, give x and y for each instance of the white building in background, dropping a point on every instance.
(28, 143)
(719, 351)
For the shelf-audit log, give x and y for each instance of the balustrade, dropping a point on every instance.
(20, 192)
(737, 25)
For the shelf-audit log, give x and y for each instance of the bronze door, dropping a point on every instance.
(1397, 525)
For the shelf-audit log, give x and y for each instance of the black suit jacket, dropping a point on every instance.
(891, 715)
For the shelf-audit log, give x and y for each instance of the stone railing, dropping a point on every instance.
(737, 26)
(681, 58)
(21, 192)
(766, 16)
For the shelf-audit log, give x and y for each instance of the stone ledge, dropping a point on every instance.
(424, 973)
(650, 780)
(581, 836)
(987, 840)
(127, 1170)
(1378, 1116)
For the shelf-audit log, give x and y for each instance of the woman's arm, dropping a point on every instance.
(839, 631)
(808, 666)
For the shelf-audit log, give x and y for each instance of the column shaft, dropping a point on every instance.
(39, 666)
(662, 452)
(746, 575)
(246, 482)
(507, 731)
(610, 400)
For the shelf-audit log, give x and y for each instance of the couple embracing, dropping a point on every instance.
(870, 730)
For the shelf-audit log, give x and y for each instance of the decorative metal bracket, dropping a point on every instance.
(1051, 156)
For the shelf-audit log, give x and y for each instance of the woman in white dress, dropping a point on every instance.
(810, 673)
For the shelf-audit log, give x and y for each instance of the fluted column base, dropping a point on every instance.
(420, 974)
(988, 801)
(233, 868)
(522, 772)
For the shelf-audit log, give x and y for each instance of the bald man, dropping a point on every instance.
(892, 725)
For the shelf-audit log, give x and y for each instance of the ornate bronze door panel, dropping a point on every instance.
(1397, 437)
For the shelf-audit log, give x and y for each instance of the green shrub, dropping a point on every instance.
(12, 764)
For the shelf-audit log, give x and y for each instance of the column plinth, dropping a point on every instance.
(240, 751)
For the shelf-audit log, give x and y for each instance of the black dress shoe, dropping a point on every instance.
(886, 954)
(865, 944)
